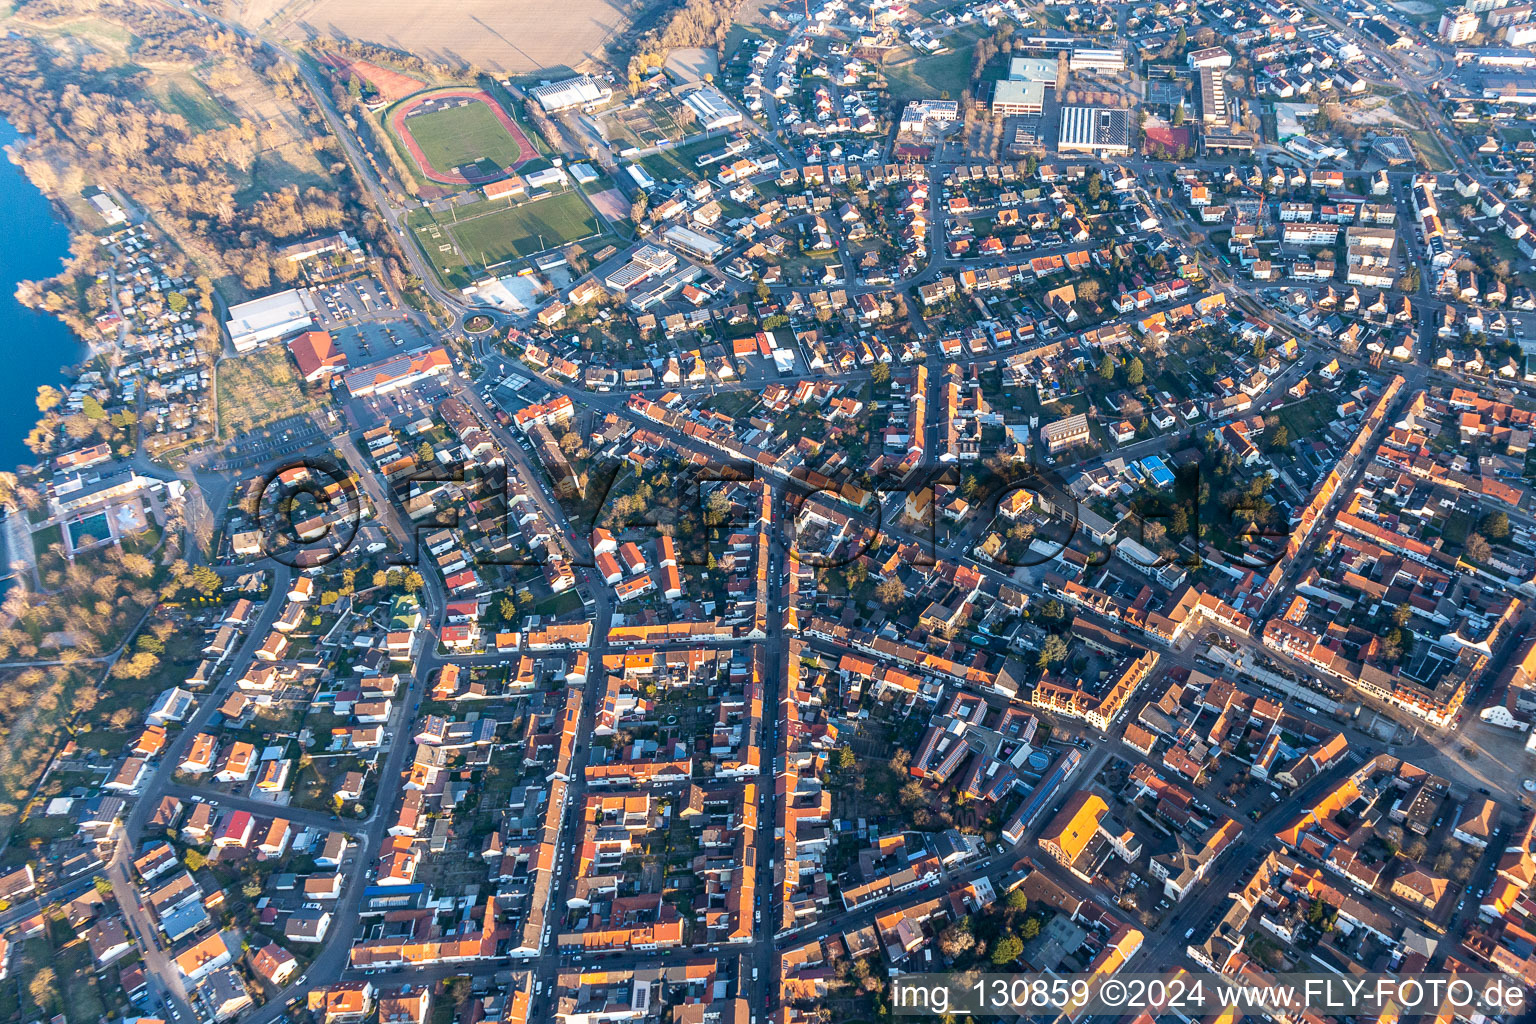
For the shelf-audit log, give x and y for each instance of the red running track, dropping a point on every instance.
(397, 123)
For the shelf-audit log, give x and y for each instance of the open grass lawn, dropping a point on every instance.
(1517, 133)
(679, 161)
(1306, 419)
(317, 781)
(1431, 153)
(47, 537)
(463, 135)
(751, 22)
(259, 388)
(75, 991)
(492, 239)
(185, 95)
(96, 729)
(914, 76)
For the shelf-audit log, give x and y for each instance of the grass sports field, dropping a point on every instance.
(487, 240)
(460, 136)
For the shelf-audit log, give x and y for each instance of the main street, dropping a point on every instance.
(154, 788)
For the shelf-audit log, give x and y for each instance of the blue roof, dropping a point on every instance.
(1161, 475)
(184, 920)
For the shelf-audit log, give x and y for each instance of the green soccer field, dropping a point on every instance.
(502, 233)
(459, 136)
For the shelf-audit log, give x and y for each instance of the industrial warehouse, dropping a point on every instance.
(1095, 130)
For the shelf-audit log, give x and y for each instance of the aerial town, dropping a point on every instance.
(675, 514)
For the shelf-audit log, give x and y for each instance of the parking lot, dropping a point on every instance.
(275, 440)
(368, 341)
(398, 407)
(346, 301)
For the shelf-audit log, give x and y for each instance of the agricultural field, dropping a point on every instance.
(492, 234)
(504, 38)
(465, 136)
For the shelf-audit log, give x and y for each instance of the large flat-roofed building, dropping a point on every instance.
(273, 316)
(1010, 98)
(695, 244)
(572, 92)
(646, 262)
(1213, 98)
(714, 110)
(1023, 91)
(1096, 130)
(1032, 69)
(397, 372)
(109, 210)
(1103, 61)
(918, 115)
(1227, 141)
(1210, 57)
(79, 489)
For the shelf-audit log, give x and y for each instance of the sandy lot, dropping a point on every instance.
(1376, 110)
(509, 37)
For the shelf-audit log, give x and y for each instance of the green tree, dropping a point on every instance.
(1135, 371)
(44, 989)
(718, 508)
(1052, 651)
(846, 759)
(92, 409)
(424, 452)
(1031, 929)
(194, 860)
(880, 373)
(1279, 437)
(1007, 950)
(1496, 526)
(205, 581)
(1107, 367)
(1017, 901)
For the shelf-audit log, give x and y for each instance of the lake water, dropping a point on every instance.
(35, 346)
